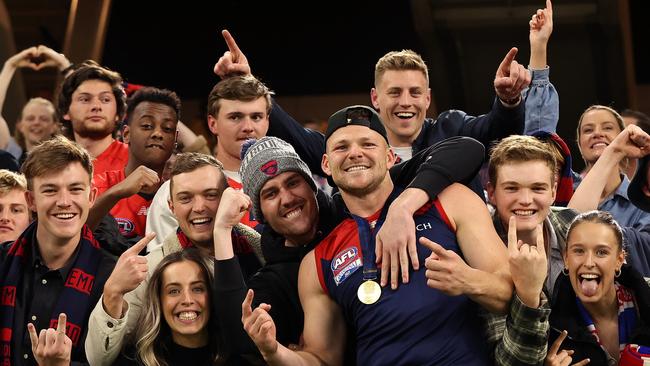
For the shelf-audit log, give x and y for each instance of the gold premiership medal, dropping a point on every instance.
(369, 292)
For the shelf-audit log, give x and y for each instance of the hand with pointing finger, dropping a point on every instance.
(446, 270)
(528, 265)
(130, 270)
(259, 325)
(233, 62)
(51, 347)
(511, 79)
(561, 358)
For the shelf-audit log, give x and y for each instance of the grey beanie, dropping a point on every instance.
(264, 159)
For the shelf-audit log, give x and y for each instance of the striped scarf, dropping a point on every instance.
(74, 298)
(565, 181)
(627, 316)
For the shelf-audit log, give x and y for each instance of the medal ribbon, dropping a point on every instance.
(367, 238)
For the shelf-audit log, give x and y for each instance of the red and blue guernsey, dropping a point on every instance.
(413, 325)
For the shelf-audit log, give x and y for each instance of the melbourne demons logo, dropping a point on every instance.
(345, 263)
(270, 168)
(126, 226)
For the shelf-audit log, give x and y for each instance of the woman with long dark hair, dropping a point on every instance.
(177, 326)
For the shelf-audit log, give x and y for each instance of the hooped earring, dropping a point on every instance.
(565, 271)
(617, 273)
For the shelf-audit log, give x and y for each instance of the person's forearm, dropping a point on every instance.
(113, 303)
(185, 135)
(410, 200)
(231, 290)
(286, 357)
(493, 291)
(223, 243)
(453, 160)
(524, 340)
(103, 205)
(6, 75)
(537, 56)
(587, 195)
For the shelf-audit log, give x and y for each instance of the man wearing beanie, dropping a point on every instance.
(338, 280)
(278, 186)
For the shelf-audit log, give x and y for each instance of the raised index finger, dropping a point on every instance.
(436, 248)
(549, 7)
(137, 247)
(232, 45)
(505, 64)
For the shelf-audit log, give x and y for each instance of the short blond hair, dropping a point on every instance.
(400, 60)
(10, 181)
(520, 149)
(55, 155)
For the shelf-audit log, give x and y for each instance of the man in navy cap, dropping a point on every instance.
(338, 280)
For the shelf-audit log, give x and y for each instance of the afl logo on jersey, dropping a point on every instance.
(270, 168)
(345, 263)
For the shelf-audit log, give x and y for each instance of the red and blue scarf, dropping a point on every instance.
(565, 180)
(74, 300)
(627, 317)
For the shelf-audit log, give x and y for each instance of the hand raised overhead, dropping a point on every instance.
(26, 58)
(511, 78)
(233, 62)
(541, 24)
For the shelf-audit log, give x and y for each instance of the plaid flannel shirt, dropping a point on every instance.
(521, 337)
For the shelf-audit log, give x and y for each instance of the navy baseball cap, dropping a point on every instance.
(360, 115)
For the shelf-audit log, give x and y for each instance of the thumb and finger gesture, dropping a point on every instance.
(259, 325)
(131, 268)
(51, 346)
(555, 357)
(528, 264)
(446, 270)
